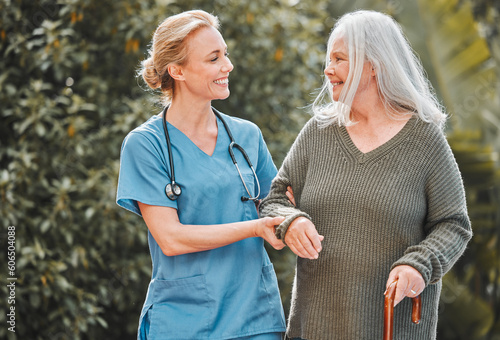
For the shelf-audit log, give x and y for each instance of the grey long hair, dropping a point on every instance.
(377, 38)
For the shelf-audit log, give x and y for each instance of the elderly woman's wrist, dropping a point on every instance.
(282, 229)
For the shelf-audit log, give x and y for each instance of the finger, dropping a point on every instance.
(314, 238)
(389, 286)
(295, 243)
(270, 236)
(297, 249)
(308, 246)
(277, 220)
(392, 279)
(402, 290)
(417, 289)
(278, 245)
(414, 291)
(289, 194)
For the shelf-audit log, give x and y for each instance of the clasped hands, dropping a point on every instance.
(301, 237)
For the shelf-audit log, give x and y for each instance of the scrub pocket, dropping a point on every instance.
(182, 309)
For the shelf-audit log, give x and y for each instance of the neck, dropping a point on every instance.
(194, 116)
(368, 112)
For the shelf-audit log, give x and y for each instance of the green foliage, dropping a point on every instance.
(69, 95)
(467, 79)
(68, 98)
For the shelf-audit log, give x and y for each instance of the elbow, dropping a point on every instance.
(169, 249)
(168, 252)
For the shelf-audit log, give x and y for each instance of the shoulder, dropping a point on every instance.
(314, 130)
(429, 135)
(427, 129)
(148, 133)
(429, 142)
(310, 127)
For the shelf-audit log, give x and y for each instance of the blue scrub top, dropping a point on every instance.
(222, 293)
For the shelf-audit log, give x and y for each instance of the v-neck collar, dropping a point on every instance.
(193, 146)
(363, 157)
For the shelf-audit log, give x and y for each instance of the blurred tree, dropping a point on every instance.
(467, 79)
(68, 97)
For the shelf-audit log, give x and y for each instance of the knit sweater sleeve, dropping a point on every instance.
(447, 226)
(292, 173)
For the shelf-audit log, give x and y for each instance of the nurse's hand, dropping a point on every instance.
(289, 194)
(303, 239)
(265, 229)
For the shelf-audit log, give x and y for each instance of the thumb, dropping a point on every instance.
(400, 291)
(277, 220)
(393, 276)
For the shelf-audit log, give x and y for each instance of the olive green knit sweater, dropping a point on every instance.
(402, 203)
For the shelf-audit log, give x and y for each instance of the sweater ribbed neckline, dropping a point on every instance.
(363, 157)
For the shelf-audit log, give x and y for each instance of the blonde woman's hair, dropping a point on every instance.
(169, 45)
(377, 38)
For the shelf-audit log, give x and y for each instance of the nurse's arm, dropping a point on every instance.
(175, 238)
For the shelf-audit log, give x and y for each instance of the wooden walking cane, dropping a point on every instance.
(389, 310)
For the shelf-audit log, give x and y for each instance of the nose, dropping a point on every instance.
(329, 70)
(228, 66)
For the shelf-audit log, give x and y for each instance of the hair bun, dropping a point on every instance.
(150, 74)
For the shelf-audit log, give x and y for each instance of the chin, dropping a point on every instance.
(224, 96)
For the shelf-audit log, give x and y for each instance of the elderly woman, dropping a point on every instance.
(379, 197)
(212, 277)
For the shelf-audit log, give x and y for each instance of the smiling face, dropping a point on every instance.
(337, 71)
(205, 74)
(338, 68)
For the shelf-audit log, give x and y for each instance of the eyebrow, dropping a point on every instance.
(216, 51)
(338, 53)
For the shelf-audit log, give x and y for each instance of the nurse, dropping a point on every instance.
(211, 277)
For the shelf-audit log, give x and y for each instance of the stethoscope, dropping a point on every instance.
(173, 190)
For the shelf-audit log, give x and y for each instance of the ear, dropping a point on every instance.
(175, 71)
(374, 71)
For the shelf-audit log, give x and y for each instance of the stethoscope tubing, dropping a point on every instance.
(231, 153)
(173, 189)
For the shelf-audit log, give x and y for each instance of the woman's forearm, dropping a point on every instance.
(175, 238)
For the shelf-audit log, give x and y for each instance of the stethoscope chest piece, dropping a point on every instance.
(173, 190)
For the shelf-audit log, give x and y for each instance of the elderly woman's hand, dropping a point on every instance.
(303, 239)
(410, 282)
